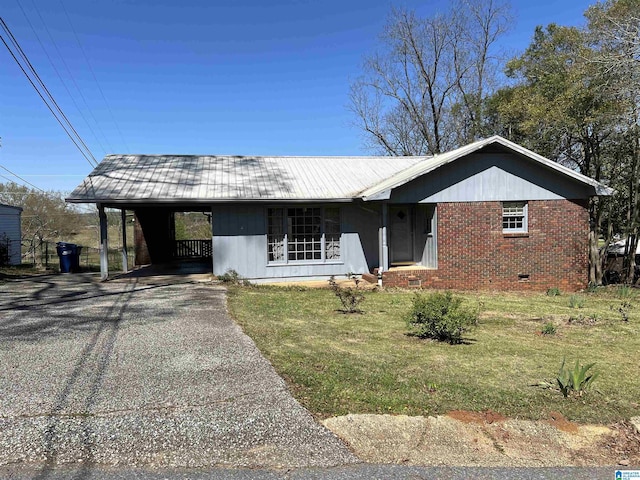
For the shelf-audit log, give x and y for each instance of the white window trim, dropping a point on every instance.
(322, 259)
(525, 217)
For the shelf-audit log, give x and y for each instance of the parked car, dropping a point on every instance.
(614, 264)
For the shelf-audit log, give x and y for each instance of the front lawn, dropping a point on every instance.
(366, 363)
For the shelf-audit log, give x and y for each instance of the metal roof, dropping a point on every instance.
(206, 179)
(4, 205)
(191, 178)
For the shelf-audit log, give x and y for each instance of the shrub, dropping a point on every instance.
(549, 329)
(231, 277)
(350, 297)
(553, 292)
(440, 316)
(576, 301)
(575, 380)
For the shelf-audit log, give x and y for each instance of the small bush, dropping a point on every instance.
(440, 316)
(575, 380)
(549, 329)
(231, 277)
(553, 292)
(350, 297)
(576, 301)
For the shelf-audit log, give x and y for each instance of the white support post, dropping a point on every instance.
(104, 245)
(212, 253)
(125, 256)
(384, 244)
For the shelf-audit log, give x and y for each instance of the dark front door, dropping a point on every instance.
(401, 234)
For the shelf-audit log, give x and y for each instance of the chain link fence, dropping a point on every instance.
(45, 255)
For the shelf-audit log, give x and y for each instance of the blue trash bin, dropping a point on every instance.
(69, 256)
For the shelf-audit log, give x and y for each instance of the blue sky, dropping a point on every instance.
(235, 77)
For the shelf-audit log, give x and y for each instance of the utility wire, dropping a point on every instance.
(18, 176)
(58, 73)
(64, 123)
(8, 179)
(94, 77)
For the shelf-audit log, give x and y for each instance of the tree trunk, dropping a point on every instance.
(596, 256)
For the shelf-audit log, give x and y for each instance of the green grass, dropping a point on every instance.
(366, 363)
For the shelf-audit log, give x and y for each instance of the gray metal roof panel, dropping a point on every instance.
(187, 178)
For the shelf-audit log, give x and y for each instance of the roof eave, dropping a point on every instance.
(187, 201)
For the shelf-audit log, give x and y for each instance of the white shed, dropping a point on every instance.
(10, 232)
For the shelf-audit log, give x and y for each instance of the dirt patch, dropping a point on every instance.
(561, 423)
(466, 416)
(485, 439)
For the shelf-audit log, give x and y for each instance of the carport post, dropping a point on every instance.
(384, 243)
(213, 266)
(125, 257)
(104, 245)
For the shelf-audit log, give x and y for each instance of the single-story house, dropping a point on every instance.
(489, 215)
(10, 234)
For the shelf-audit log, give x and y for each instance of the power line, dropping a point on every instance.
(24, 13)
(64, 122)
(94, 77)
(18, 176)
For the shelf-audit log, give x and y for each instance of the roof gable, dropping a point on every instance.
(383, 190)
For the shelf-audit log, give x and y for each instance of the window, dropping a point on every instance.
(303, 234)
(514, 217)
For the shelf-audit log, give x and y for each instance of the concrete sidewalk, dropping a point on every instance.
(153, 375)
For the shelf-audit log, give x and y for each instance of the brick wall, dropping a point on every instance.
(474, 253)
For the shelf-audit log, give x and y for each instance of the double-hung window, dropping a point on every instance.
(515, 217)
(303, 234)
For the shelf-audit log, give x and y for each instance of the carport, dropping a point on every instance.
(154, 188)
(154, 236)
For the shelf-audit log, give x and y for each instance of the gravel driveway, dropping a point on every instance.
(142, 374)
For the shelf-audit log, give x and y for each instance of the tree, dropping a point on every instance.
(425, 91)
(614, 31)
(45, 215)
(575, 101)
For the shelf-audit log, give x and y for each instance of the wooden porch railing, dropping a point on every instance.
(192, 249)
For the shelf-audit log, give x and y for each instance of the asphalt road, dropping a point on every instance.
(353, 472)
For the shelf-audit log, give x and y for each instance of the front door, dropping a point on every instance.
(401, 236)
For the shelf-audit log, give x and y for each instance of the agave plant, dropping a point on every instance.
(576, 379)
